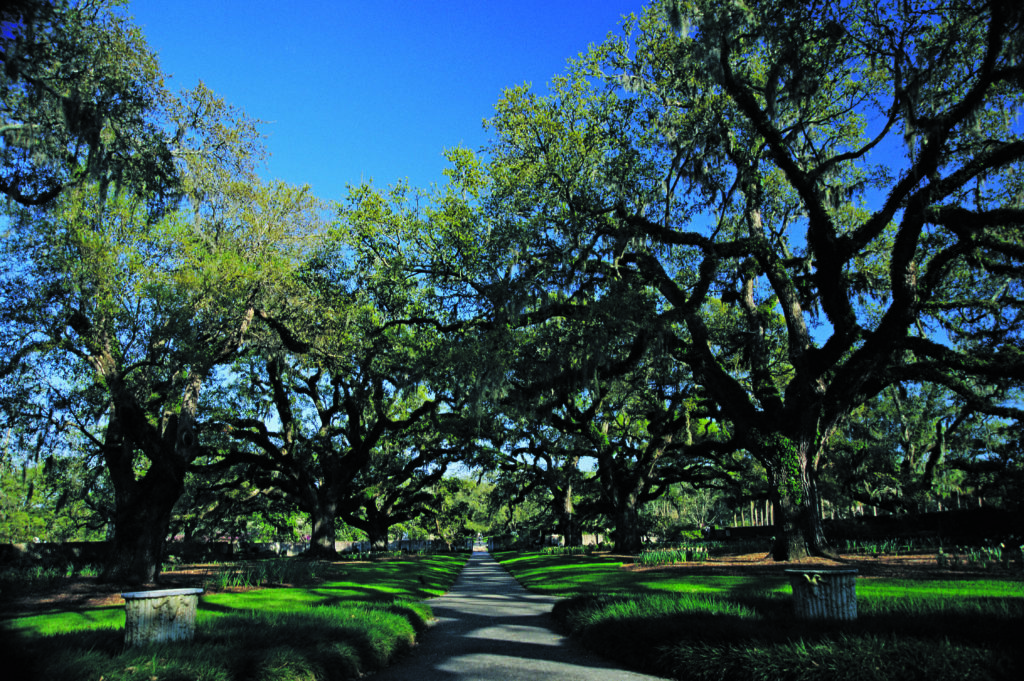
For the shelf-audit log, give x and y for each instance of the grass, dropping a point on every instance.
(14, 579)
(356, 619)
(742, 627)
(670, 556)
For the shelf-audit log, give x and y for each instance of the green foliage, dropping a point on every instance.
(893, 546)
(277, 572)
(914, 445)
(58, 499)
(735, 245)
(980, 556)
(119, 320)
(764, 204)
(784, 456)
(25, 514)
(601, 574)
(684, 553)
(15, 579)
(568, 550)
(754, 635)
(83, 101)
(458, 510)
(342, 641)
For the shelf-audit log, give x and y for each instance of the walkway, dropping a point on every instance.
(488, 628)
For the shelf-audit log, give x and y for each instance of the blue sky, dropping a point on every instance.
(369, 90)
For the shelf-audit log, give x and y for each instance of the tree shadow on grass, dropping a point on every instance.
(316, 642)
(981, 635)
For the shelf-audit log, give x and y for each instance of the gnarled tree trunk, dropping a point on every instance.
(567, 525)
(627, 535)
(143, 506)
(322, 517)
(799, 531)
(141, 523)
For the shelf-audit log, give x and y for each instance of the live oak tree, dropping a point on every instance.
(396, 486)
(826, 197)
(538, 462)
(333, 420)
(587, 378)
(458, 511)
(218, 505)
(25, 513)
(360, 394)
(644, 432)
(511, 512)
(47, 492)
(81, 100)
(126, 320)
(997, 477)
(910, 446)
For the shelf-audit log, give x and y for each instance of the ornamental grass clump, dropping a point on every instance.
(634, 628)
(567, 550)
(670, 556)
(264, 573)
(978, 556)
(340, 629)
(754, 635)
(322, 643)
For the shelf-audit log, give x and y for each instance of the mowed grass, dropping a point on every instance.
(742, 627)
(357, 620)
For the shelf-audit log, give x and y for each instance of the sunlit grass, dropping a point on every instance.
(356, 621)
(51, 623)
(697, 627)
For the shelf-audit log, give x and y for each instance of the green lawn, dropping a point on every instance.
(693, 627)
(355, 621)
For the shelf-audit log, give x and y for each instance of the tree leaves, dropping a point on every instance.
(82, 98)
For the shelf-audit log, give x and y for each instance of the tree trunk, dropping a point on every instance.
(378, 536)
(569, 529)
(799, 532)
(141, 523)
(626, 535)
(790, 541)
(322, 518)
(566, 517)
(143, 506)
(138, 549)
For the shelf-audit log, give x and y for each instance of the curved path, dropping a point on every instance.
(488, 628)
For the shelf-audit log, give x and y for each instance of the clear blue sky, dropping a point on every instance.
(355, 90)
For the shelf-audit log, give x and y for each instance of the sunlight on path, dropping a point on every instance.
(489, 627)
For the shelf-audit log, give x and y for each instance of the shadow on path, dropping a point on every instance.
(490, 628)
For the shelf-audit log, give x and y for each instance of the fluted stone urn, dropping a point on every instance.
(160, 616)
(824, 594)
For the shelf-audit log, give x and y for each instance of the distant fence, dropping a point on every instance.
(503, 542)
(956, 526)
(95, 553)
(269, 549)
(966, 526)
(57, 553)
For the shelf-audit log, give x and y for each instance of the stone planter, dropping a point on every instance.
(160, 616)
(824, 595)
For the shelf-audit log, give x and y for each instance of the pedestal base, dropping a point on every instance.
(820, 594)
(160, 616)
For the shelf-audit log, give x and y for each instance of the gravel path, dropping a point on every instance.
(489, 627)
